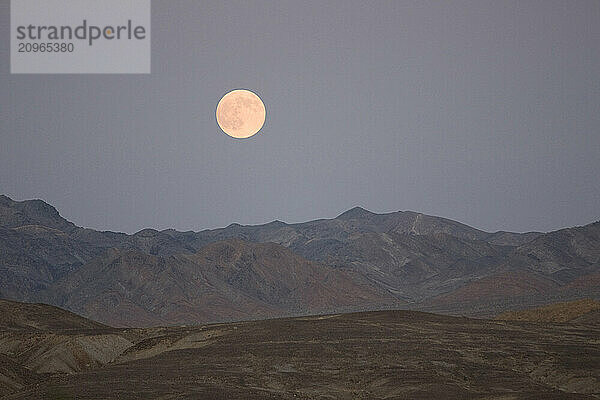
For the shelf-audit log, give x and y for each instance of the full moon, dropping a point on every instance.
(241, 113)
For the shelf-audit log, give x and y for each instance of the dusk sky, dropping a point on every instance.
(486, 112)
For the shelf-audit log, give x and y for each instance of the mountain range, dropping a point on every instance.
(357, 261)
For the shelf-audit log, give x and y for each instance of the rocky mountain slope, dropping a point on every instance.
(229, 280)
(357, 261)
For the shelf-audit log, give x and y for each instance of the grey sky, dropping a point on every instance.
(487, 112)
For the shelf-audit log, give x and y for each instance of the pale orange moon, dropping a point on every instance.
(241, 113)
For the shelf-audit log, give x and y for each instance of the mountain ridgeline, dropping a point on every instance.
(357, 261)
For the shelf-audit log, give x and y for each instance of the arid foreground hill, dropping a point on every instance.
(55, 355)
(586, 311)
(358, 261)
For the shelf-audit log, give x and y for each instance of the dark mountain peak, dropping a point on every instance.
(172, 231)
(276, 223)
(14, 214)
(356, 212)
(32, 205)
(147, 232)
(5, 200)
